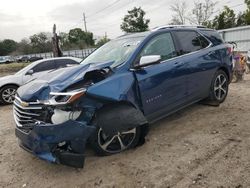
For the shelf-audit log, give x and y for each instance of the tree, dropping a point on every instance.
(41, 42)
(134, 21)
(64, 39)
(180, 13)
(202, 12)
(57, 52)
(76, 35)
(24, 47)
(240, 20)
(103, 41)
(247, 16)
(89, 39)
(81, 38)
(248, 3)
(226, 19)
(7, 46)
(247, 13)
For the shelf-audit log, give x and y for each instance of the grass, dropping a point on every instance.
(12, 67)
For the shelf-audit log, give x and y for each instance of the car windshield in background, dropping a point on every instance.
(117, 51)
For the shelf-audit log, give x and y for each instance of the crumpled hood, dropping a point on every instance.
(56, 81)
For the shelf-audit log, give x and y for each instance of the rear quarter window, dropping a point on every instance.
(190, 41)
(61, 63)
(213, 36)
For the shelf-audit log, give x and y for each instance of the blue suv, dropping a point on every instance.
(110, 99)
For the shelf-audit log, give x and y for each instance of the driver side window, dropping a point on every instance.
(162, 45)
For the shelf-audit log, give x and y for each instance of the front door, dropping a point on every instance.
(162, 86)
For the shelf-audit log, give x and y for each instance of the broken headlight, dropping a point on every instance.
(62, 98)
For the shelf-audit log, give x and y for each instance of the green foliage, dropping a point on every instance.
(248, 3)
(134, 21)
(103, 41)
(226, 19)
(63, 39)
(24, 47)
(41, 43)
(247, 16)
(240, 20)
(7, 46)
(81, 38)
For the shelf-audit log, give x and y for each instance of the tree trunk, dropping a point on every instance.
(57, 52)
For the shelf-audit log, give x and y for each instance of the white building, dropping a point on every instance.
(239, 35)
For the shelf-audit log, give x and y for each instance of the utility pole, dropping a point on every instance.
(84, 20)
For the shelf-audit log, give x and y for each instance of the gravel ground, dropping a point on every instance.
(201, 146)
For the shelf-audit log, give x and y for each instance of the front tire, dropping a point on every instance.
(219, 87)
(7, 94)
(104, 144)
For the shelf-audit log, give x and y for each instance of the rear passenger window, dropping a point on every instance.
(213, 36)
(190, 41)
(162, 45)
(61, 63)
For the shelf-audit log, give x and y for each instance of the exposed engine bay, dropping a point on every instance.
(91, 78)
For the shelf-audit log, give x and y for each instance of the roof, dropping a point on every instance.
(66, 57)
(141, 34)
(178, 27)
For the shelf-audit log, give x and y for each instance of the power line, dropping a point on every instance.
(101, 10)
(231, 7)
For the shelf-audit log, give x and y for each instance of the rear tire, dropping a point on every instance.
(219, 87)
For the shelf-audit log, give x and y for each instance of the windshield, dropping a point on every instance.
(117, 51)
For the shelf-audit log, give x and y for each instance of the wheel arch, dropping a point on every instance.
(12, 84)
(121, 116)
(226, 71)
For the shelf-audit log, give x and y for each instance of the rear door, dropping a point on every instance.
(162, 86)
(201, 62)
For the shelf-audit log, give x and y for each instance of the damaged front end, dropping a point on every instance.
(53, 120)
(53, 133)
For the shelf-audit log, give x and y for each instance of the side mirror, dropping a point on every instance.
(149, 60)
(30, 72)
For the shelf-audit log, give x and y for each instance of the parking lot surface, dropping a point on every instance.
(201, 146)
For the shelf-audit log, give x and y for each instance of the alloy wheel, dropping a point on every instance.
(8, 95)
(117, 142)
(220, 87)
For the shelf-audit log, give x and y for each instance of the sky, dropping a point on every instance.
(22, 18)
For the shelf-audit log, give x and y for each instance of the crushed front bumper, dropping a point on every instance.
(44, 141)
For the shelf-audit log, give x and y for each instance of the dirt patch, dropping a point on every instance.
(201, 146)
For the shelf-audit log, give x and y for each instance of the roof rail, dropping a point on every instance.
(177, 26)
